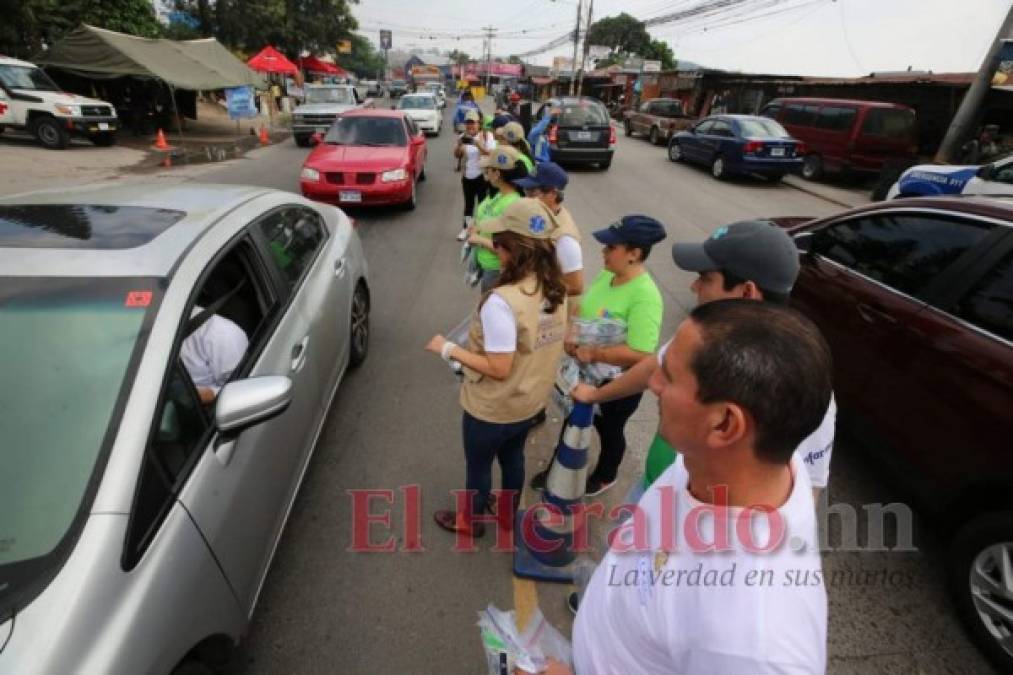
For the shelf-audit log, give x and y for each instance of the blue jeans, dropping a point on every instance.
(485, 441)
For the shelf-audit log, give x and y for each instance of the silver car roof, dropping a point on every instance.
(204, 205)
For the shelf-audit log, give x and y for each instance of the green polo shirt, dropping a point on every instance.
(637, 303)
(491, 207)
(660, 456)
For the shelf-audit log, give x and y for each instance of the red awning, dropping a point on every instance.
(270, 60)
(542, 81)
(315, 65)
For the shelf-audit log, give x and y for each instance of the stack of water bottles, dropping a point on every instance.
(597, 332)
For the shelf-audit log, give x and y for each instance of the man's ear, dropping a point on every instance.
(728, 423)
(750, 291)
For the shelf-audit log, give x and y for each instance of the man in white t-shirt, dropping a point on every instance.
(547, 184)
(719, 569)
(211, 353)
(753, 260)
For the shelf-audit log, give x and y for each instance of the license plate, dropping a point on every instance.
(103, 126)
(777, 152)
(582, 135)
(350, 196)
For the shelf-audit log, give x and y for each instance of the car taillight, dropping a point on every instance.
(800, 149)
(553, 135)
(354, 222)
(752, 147)
(612, 135)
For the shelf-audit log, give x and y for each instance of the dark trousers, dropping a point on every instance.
(475, 190)
(486, 441)
(611, 425)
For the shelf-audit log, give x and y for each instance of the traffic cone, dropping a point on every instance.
(264, 140)
(543, 547)
(160, 143)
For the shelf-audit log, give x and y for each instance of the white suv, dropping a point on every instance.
(32, 102)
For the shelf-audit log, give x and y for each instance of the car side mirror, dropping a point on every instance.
(245, 403)
(804, 242)
(315, 139)
(985, 172)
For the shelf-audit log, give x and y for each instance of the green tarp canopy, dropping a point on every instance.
(189, 64)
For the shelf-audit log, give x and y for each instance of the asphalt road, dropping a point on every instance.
(396, 423)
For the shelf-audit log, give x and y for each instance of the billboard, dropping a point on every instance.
(1003, 77)
(498, 69)
(562, 64)
(385, 40)
(651, 67)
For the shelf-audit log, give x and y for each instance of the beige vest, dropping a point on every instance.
(526, 389)
(565, 225)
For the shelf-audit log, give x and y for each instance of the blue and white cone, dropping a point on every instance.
(564, 488)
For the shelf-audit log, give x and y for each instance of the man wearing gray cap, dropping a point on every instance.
(752, 259)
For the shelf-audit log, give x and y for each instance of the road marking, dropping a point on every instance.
(525, 594)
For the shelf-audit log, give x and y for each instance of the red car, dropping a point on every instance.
(367, 157)
(915, 298)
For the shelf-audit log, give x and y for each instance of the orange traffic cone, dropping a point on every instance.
(264, 140)
(160, 141)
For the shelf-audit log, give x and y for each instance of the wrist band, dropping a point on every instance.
(445, 352)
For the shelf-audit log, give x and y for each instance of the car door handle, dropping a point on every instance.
(299, 354)
(872, 315)
(339, 267)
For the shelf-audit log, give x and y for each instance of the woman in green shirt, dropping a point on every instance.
(623, 292)
(500, 167)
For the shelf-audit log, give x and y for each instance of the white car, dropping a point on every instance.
(30, 101)
(436, 90)
(424, 110)
(943, 179)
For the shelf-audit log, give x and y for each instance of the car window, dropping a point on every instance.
(646, 107)
(1003, 174)
(905, 252)
(417, 103)
(762, 128)
(989, 304)
(721, 128)
(704, 127)
(337, 95)
(771, 111)
(369, 131)
(802, 115)
(892, 123)
(294, 236)
(583, 113)
(833, 118)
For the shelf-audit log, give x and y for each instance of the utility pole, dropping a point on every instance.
(489, 32)
(587, 44)
(970, 108)
(576, 39)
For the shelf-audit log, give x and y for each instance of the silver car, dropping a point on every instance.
(137, 523)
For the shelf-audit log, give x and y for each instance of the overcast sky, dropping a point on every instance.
(804, 37)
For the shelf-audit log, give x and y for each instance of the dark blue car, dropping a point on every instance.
(739, 144)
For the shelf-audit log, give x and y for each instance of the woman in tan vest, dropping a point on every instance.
(515, 343)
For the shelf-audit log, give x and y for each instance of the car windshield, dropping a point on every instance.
(367, 131)
(26, 77)
(417, 103)
(69, 346)
(339, 95)
(583, 113)
(762, 128)
(398, 83)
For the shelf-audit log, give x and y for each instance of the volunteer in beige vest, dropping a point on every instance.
(547, 184)
(514, 345)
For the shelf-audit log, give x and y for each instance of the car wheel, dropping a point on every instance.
(812, 167)
(302, 141)
(359, 336)
(192, 667)
(605, 165)
(718, 167)
(104, 140)
(627, 128)
(422, 176)
(675, 151)
(980, 557)
(654, 136)
(413, 198)
(51, 133)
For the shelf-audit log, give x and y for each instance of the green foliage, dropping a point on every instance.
(513, 58)
(458, 57)
(28, 24)
(289, 25)
(365, 61)
(626, 36)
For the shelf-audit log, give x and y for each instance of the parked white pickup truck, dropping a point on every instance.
(324, 102)
(30, 101)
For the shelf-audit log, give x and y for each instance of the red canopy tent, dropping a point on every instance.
(315, 65)
(270, 60)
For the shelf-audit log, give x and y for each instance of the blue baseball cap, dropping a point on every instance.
(546, 175)
(500, 121)
(633, 230)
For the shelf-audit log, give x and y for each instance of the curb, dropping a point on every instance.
(819, 195)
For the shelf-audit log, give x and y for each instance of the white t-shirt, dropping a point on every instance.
(707, 613)
(213, 351)
(816, 448)
(499, 326)
(569, 254)
(472, 155)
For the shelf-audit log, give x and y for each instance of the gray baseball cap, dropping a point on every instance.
(754, 250)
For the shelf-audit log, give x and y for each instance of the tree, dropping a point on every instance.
(622, 33)
(28, 24)
(659, 50)
(513, 58)
(458, 57)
